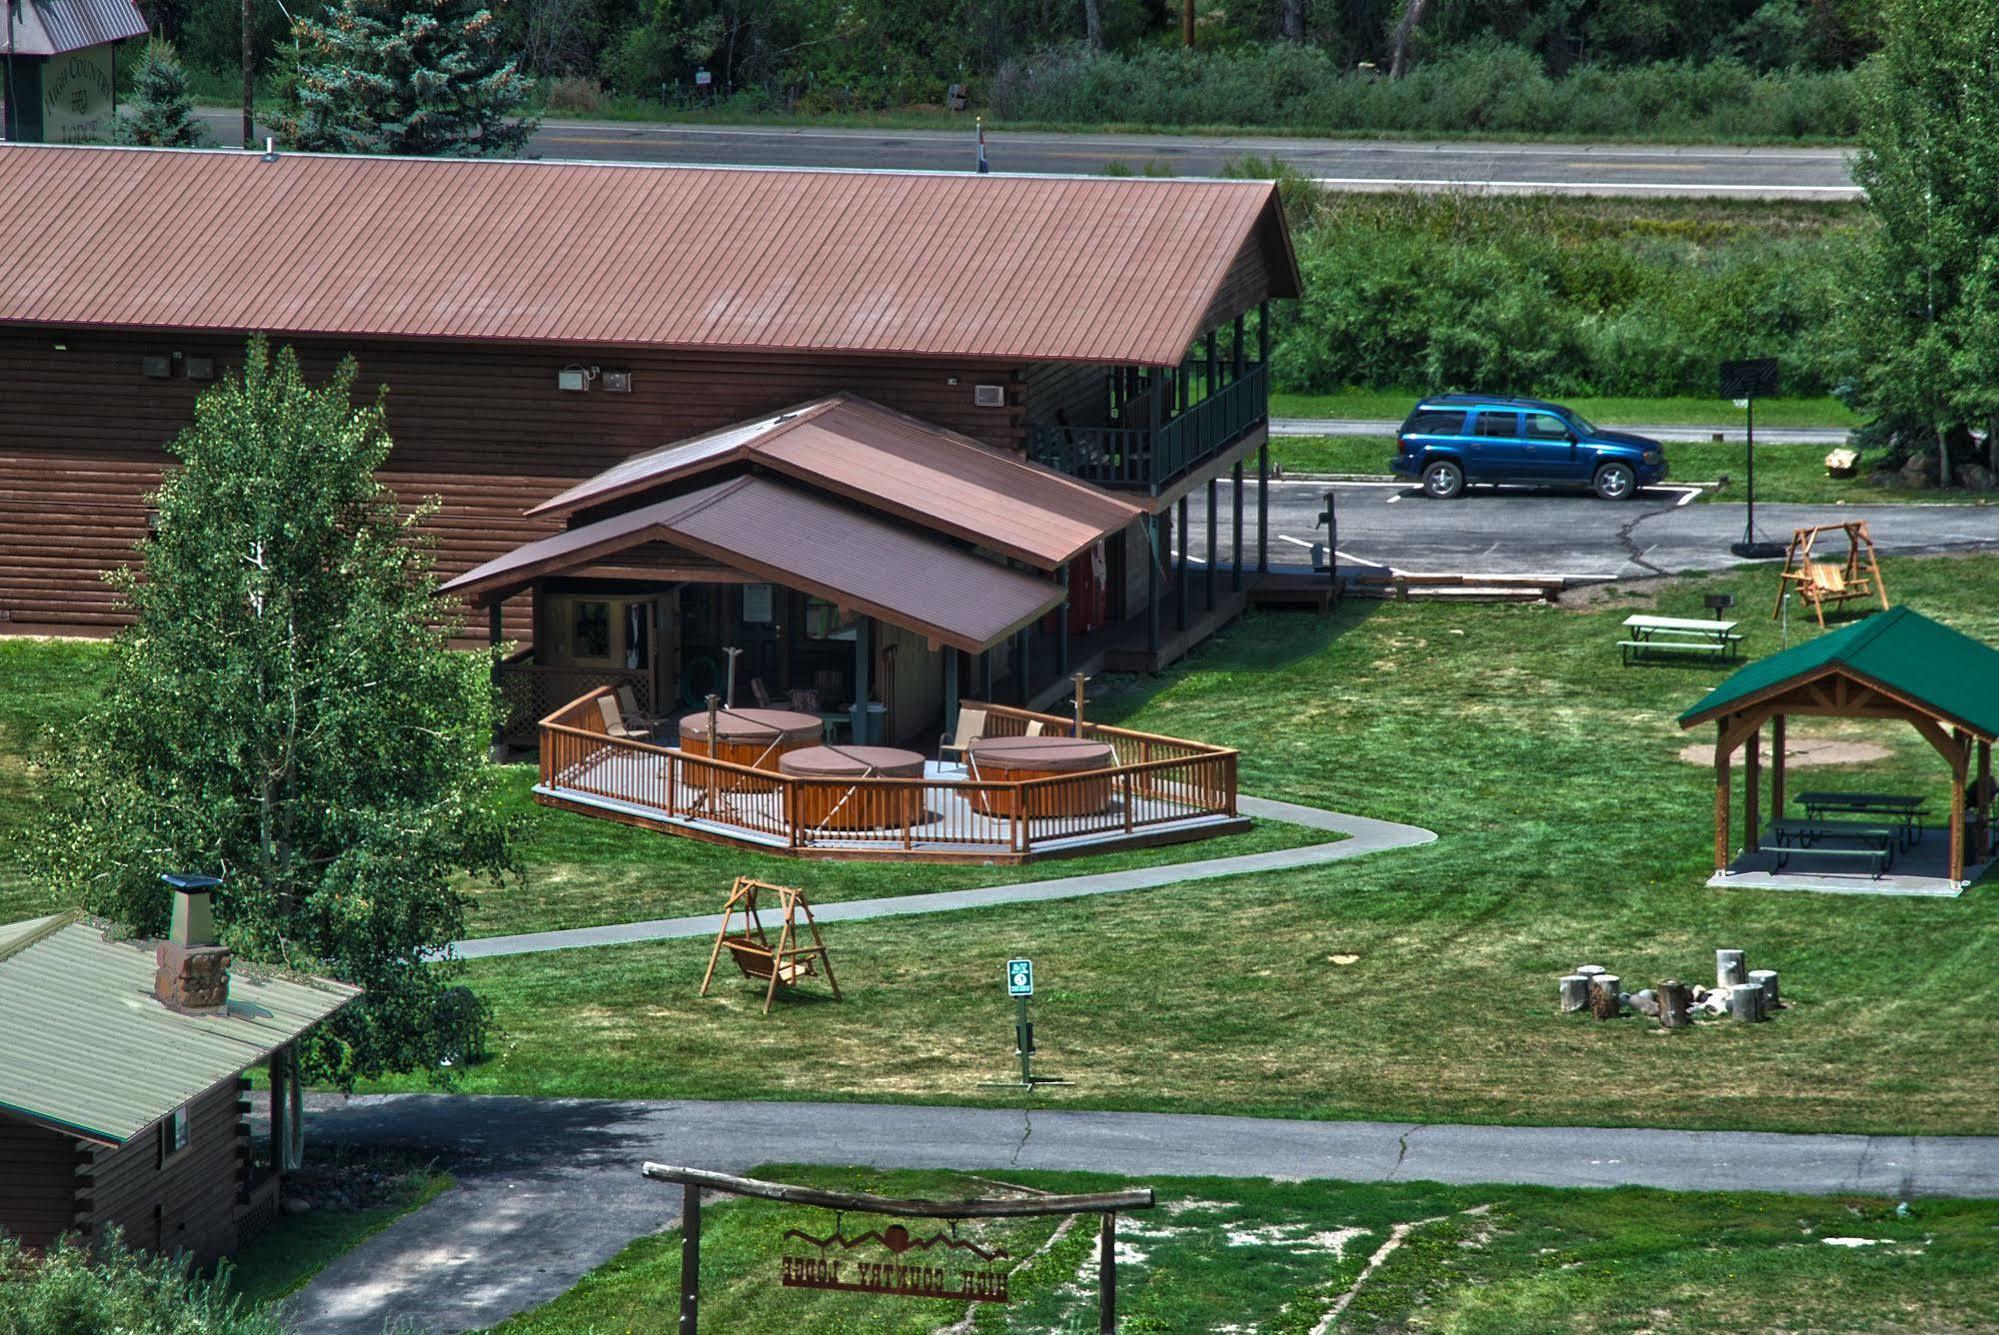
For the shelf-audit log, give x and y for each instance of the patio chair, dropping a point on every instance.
(759, 693)
(1034, 727)
(614, 722)
(628, 705)
(971, 727)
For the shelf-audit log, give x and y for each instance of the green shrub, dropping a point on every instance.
(76, 1291)
(1485, 87)
(1560, 297)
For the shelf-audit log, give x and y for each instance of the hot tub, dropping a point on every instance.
(759, 738)
(855, 806)
(1016, 759)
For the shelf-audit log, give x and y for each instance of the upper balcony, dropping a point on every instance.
(1161, 431)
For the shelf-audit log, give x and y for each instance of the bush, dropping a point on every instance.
(1486, 87)
(1561, 297)
(76, 1291)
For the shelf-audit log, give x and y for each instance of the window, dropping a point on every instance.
(1505, 426)
(590, 630)
(173, 1134)
(1546, 426)
(1434, 422)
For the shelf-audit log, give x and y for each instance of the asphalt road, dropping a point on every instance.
(1518, 532)
(1345, 164)
(548, 1189)
(1731, 431)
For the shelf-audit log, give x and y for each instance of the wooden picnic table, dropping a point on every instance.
(1645, 634)
(1905, 810)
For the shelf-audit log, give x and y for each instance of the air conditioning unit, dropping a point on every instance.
(989, 396)
(201, 368)
(157, 366)
(617, 382)
(572, 380)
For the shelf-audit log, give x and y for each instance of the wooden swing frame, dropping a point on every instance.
(1819, 583)
(788, 960)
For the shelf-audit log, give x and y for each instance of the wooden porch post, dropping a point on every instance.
(1777, 795)
(1237, 352)
(863, 660)
(1235, 563)
(280, 1064)
(1752, 793)
(1721, 784)
(950, 691)
(690, 1259)
(1180, 574)
(1062, 628)
(1022, 669)
(1209, 572)
(493, 641)
(1153, 558)
(1263, 508)
(1107, 1275)
(1959, 763)
(1985, 800)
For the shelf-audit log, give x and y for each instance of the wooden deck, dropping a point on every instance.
(1161, 790)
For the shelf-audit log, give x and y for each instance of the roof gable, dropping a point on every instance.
(914, 264)
(1924, 661)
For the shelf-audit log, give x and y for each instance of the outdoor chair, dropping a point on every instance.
(614, 722)
(628, 706)
(759, 693)
(1034, 727)
(971, 727)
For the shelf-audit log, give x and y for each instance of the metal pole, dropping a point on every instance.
(1235, 562)
(690, 1258)
(1153, 559)
(1107, 1275)
(1213, 556)
(1263, 509)
(863, 660)
(1079, 680)
(1180, 576)
(249, 83)
(1749, 448)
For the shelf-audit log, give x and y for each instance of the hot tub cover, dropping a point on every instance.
(852, 762)
(1044, 753)
(753, 725)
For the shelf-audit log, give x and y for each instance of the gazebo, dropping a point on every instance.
(1894, 665)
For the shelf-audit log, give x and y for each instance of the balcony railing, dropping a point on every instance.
(1138, 456)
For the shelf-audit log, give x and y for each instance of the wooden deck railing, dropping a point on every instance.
(1156, 781)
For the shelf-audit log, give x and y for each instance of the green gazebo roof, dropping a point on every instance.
(1943, 670)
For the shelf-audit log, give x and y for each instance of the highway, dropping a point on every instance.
(1342, 164)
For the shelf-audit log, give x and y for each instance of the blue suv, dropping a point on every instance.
(1454, 440)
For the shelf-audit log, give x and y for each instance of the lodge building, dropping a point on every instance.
(884, 433)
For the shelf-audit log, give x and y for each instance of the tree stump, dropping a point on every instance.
(1603, 999)
(1589, 970)
(1674, 998)
(1767, 980)
(1745, 1002)
(1575, 993)
(1729, 969)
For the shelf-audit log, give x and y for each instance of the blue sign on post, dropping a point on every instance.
(1020, 978)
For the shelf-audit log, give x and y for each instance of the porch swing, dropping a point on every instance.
(786, 962)
(1820, 584)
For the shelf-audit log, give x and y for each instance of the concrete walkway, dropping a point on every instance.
(1363, 836)
(1731, 431)
(549, 1189)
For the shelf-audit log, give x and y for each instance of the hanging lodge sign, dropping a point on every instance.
(900, 1276)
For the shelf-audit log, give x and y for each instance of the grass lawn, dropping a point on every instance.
(381, 1186)
(1572, 832)
(1367, 404)
(1224, 1254)
(1783, 472)
(42, 682)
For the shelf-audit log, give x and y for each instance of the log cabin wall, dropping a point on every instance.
(481, 426)
(38, 1181)
(186, 1201)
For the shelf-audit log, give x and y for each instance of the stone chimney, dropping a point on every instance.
(193, 973)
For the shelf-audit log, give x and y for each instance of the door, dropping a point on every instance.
(1548, 448)
(1494, 451)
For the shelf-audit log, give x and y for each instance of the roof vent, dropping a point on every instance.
(270, 150)
(193, 971)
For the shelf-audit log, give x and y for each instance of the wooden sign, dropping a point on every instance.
(899, 1275)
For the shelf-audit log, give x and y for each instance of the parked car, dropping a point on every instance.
(1455, 440)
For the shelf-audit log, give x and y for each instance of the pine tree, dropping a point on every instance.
(422, 78)
(162, 107)
(1926, 318)
(285, 711)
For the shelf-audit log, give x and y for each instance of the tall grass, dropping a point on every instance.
(1485, 88)
(1563, 297)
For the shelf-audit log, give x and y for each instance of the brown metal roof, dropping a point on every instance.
(786, 535)
(861, 450)
(933, 264)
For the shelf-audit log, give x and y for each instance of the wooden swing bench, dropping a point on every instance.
(782, 964)
(1820, 584)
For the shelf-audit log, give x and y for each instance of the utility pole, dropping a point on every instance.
(249, 84)
(1187, 23)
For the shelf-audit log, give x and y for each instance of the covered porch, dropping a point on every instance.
(1896, 666)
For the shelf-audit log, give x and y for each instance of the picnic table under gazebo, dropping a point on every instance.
(1897, 665)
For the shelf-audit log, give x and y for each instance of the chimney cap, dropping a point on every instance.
(190, 880)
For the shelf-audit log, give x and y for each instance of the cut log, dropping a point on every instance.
(1575, 993)
(1674, 998)
(1745, 1002)
(1729, 969)
(1603, 998)
(1589, 970)
(1767, 980)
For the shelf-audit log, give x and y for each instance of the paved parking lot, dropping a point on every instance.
(1520, 532)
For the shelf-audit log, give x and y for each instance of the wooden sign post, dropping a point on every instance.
(887, 1279)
